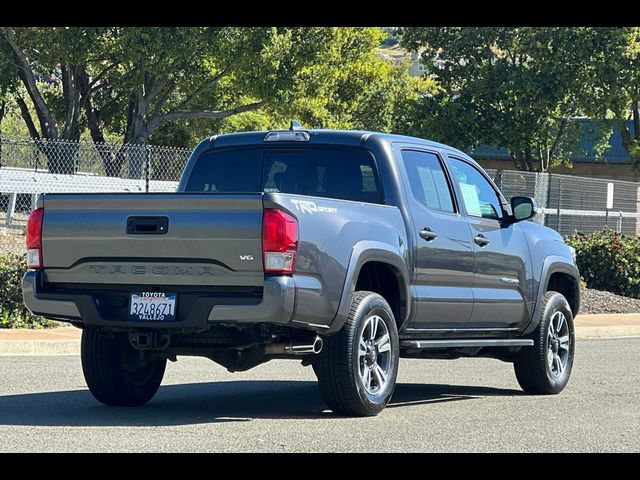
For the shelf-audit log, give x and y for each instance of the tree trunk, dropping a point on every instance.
(61, 157)
(111, 160)
(33, 131)
(636, 120)
(26, 116)
(523, 159)
(137, 133)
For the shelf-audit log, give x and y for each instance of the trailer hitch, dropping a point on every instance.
(149, 340)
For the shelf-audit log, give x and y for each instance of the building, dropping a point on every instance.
(614, 164)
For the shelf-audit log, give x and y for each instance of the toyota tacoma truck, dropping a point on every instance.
(346, 250)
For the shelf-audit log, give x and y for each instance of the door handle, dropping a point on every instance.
(481, 240)
(147, 225)
(428, 234)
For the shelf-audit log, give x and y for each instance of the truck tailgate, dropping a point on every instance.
(153, 239)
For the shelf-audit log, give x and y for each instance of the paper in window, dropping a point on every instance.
(471, 200)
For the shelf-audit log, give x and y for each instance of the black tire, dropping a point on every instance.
(110, 369)
(532, 365)
(339, 364)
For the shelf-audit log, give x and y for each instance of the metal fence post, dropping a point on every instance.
(548, 199)
(498, 180)
(637, 210)
(11, 208)
(147, 167)
(619, 230)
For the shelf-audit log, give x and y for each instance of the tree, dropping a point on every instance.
(613, 79)
(7, 86)
(153, 83)
(168, 75)
(350, 86)
(520, 88)
(42, 58)
(326, 77)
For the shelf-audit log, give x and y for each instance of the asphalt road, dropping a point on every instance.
(461, 405)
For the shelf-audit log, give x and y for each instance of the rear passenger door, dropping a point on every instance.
(500, 282)
(443, 252)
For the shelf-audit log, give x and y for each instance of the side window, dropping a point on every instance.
(428, 181)
(480, 198)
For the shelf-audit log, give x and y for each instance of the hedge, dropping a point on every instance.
(609, 261)
(13, 313)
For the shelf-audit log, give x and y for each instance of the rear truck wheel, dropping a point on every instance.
(545, 368)
(358, 366)
(113, 371)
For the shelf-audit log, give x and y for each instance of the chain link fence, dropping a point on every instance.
(29, 167)
(568, 203)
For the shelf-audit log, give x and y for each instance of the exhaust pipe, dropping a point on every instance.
(295, 348)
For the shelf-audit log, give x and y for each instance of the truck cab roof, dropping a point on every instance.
(353, 138)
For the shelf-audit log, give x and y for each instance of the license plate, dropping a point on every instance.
(153, 306)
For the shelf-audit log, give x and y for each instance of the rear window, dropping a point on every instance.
(322, 172)
(230, 171)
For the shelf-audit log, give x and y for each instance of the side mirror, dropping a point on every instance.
(523, 208)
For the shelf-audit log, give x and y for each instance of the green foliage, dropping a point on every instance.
(12, 124)
(13, 313)
(514, 87)
(609, 260)
(165, 84)
(613, 82)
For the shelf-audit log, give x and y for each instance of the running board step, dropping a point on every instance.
(480, 342)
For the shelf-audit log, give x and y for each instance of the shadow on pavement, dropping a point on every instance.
(196, 403)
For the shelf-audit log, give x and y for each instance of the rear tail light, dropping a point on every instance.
(34, 239)
(279, 241)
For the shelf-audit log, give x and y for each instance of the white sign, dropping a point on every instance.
(471, 200)
(609, 196)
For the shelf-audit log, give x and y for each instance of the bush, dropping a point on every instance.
(609, 261)
(13, 313)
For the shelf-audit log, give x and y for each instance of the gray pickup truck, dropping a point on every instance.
(343, 249)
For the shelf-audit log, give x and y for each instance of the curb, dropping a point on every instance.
(618, 331)
(72, 347)
(39, 347)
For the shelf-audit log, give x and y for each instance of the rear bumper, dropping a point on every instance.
(276, 306)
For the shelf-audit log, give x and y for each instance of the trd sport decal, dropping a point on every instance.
(307, 206)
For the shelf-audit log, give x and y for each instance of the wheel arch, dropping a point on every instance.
(378, 267)
(558, 274)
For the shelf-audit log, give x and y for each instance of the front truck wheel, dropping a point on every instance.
(358, 366)
(545, 368)
(113, 371)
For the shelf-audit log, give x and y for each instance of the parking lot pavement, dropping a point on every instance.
(461, 405)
